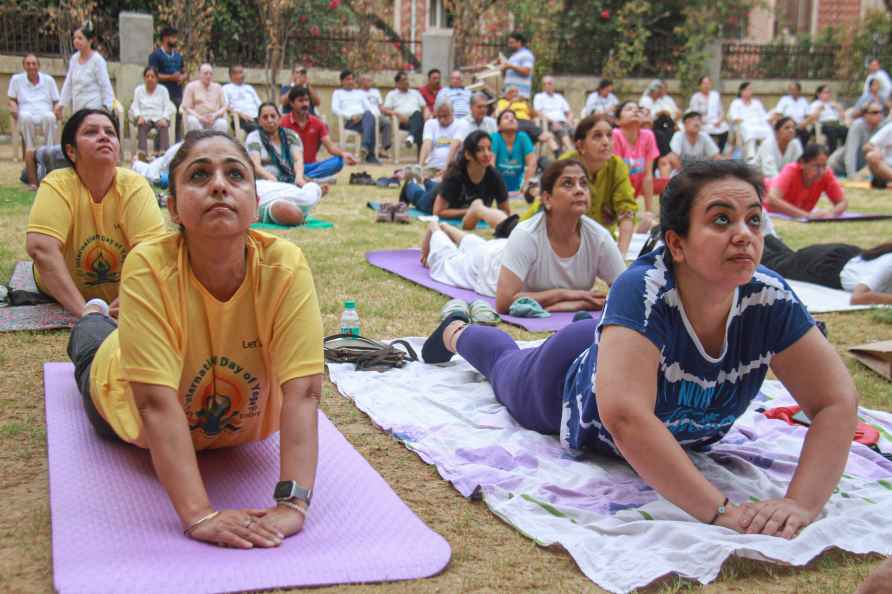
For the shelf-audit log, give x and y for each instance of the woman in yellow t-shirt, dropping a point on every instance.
(86, 218)
(219, 345)
(613, 202)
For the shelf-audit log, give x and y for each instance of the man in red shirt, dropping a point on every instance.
(430, 90)
(797, 189)
(313, 132)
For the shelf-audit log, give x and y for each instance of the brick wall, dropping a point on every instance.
(837, 12)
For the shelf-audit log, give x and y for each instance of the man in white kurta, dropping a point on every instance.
(32, 98)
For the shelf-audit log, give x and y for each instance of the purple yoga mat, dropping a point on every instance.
(114, 529)
(846, 217)
(407, 264)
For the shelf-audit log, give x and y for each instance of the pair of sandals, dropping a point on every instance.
(475, 312)
(393, 212)
(362, 178)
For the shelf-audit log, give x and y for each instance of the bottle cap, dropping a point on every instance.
(350, 304)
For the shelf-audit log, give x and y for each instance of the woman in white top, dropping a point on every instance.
(555, 257)
(751, 120)
(778, 150)
(829, 115)
(151, 108)
(708, 103)
(87, 85)
(866, 274)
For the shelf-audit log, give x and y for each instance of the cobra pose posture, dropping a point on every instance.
(219, 344)
(688, 334)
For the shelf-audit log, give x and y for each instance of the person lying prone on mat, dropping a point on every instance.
(469, 188)
(219, 344)
(687, 336)
(613, 203)
(797, 189)
(866, 274)
(88, 217)
(555, 258)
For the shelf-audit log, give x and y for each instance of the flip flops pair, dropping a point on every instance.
(478, 311)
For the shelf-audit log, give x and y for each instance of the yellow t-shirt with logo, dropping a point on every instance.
(95, 237)
(520, 107)
(226, 361)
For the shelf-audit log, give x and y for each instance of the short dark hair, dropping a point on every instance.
(400, 76)
(74, 123)
(233, 67)
(296, 92)
(586, 124)
(812, 151)
(553, 172)
(689, 115)
(518, 36)
(605, 82)
(742, 86)
(619, 108)
(148, 69)
(432, 72)
(679, 195)
(819, 90)
(168, 31)
(189, 142)
(701, 79)
(502, 114)
(782, 122)
(345, 73)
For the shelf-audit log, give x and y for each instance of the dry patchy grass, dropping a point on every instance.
(488, 555)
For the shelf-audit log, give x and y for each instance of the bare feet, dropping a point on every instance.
(432, 227)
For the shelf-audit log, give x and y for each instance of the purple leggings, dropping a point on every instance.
(529, 382)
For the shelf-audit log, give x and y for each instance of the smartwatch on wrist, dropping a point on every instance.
(291, 491)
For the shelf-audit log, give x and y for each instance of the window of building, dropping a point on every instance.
(438, 17)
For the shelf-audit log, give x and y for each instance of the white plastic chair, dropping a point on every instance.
(347, 136)
(134, 129)
(399, 138)
(18, 140)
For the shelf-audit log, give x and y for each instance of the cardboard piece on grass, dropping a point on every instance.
(876, 355)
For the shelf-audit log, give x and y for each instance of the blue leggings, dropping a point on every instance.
(529, 382)
(422, 197)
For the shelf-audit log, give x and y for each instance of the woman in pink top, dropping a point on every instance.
(797, 189)
(637, 146)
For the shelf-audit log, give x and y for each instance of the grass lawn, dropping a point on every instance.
(488, 555)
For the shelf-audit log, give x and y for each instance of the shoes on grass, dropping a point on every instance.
(476, 312)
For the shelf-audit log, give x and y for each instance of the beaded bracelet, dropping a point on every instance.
(295, 507)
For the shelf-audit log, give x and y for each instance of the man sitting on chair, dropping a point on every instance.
(204, 103)
(350, 103)
(313, 132)
(373, 96)
(241, 98)
(408, 106)
(32, 97)
(456, 94)
(556, 111)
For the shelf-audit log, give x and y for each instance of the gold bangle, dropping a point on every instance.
(210, 516)
(295, 507)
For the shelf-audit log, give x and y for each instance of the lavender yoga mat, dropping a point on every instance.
(846, 217)
(114, 529)
(406, 263)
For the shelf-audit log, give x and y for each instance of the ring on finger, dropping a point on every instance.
(248, 523)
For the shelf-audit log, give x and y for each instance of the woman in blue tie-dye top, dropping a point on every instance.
(688, 334)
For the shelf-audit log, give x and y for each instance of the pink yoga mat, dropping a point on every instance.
(407, 264)
(114, 529)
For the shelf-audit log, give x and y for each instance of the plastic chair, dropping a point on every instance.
(346, 136)
(18, 140)
(399, 137)
(134, 129)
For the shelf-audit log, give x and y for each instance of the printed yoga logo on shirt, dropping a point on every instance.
(222, 395)
(99, 260)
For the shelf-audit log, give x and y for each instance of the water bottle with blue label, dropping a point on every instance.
(350, 319)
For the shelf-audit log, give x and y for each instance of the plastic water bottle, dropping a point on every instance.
(350, 319)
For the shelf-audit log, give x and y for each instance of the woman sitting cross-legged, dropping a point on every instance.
(866, 274)
(611, 193)
(86, 218)
(277, 154)
(797, 189)
(555, 258)
(219, 345)
(470, 187)
(780, 149)
(687, 336)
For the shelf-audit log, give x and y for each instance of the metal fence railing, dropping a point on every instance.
(31, 31)
(749, 61)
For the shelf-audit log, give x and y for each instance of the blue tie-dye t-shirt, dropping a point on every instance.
(698, 397)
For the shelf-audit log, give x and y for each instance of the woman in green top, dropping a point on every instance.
(613, 202)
